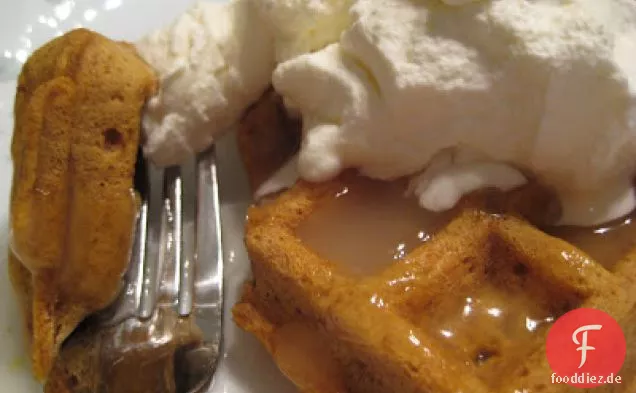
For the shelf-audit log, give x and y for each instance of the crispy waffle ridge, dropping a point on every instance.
(76, 135)
(333, 332)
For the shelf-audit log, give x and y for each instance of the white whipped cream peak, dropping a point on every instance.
(213, 61)
(217, 58)
(544, 86)
(453, 173)
(303, 26)
(386, 86)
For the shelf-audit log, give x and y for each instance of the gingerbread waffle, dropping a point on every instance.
(466, 309)
(76, 136)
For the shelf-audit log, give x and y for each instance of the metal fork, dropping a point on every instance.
(176, 267)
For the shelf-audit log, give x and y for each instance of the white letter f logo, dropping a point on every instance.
(583, 344)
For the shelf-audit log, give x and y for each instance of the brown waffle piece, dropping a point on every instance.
(77, 128)
(406, 328)
(268, 138)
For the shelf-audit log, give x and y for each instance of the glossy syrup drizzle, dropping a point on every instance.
(493, 326)
(368, 226)
(494, 329)
(606, 244)
(302, 354)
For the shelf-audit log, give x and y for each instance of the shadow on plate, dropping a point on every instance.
(233, 183)
(249, 364)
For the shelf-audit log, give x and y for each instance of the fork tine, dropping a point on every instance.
(160, 235)
(127, 303)
(173, 243)
(186, 288)
(170, 256)
(155, 243)
(176, 198)
(186, 294)
(136, 275)
(209, 249)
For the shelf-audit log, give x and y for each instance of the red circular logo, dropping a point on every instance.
(586, 348)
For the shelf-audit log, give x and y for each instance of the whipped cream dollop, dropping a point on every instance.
(217, 58)
(459, 95)
(213, 61)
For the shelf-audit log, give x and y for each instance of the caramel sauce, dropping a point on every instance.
(495, 323)
(303, 355)
(493, 330)
(366, 227)
(606, 244)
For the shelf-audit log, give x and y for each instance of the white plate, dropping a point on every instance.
(27, 24)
